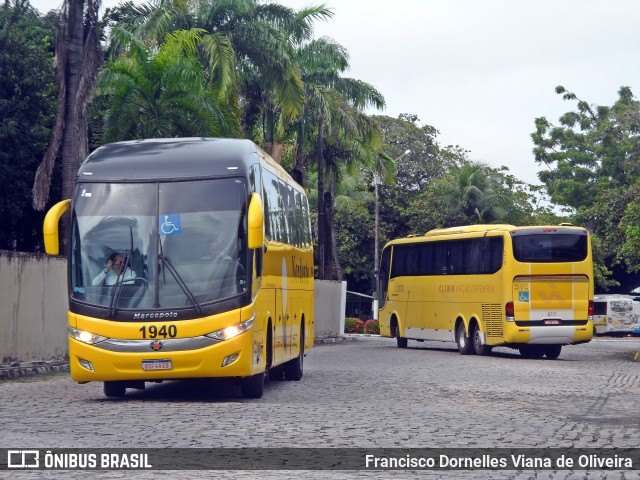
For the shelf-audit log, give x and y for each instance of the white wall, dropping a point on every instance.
(330, 299)
(33, 307)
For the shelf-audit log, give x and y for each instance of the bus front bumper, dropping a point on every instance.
(240, 356)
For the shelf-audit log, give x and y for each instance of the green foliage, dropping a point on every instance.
(27, 114)
(593, 168)
(162, 93)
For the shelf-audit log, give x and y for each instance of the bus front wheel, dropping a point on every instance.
(400, 341)
(464, 342)
(253, 386)
(114, 389)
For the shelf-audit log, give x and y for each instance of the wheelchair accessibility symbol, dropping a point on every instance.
(169, 224)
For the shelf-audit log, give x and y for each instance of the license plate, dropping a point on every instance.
(551, 322)
(156, 365)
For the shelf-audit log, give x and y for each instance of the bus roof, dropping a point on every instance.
(469, 229)
(172, 159)
(488, 228)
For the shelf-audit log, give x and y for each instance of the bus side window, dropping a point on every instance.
(440, 258)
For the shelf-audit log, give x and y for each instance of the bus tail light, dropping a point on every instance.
(590, 309)
(509, 312)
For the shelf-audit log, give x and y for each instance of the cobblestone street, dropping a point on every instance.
(366, 394)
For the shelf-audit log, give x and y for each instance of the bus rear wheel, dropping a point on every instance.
(464, 343)
(293, 369)
(552, 351)
(531, 351)
(479, 347)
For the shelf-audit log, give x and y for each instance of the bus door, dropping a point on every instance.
(600, 315)
(397, 284)
(282, 341)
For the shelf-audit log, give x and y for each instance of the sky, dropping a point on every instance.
(482, 71)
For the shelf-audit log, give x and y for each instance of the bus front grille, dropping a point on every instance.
(492, 316)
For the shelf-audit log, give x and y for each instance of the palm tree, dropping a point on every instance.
(78, 57)
(473, 190)
(268, 80)
(319, 62)
(341, 121)
(163, 93)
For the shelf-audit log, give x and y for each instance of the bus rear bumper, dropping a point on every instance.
(549, 335)
(243, 355)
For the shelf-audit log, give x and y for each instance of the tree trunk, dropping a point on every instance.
(78, 59)
(321, 212)
(333, 261)
(298, 169)
(269, 127)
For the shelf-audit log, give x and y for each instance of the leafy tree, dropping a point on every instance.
(593, 168)
(27, 113)
(407, 205)
(161, 93)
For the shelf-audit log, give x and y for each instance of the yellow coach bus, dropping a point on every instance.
(484, 286)
(187, 258)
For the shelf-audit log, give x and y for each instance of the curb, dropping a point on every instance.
(29, 369)
(329, 340)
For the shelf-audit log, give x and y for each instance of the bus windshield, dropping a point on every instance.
(159, 245)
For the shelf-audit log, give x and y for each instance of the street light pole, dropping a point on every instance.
(376, 182)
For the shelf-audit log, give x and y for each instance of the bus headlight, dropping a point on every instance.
(232, 331)
(85, 337)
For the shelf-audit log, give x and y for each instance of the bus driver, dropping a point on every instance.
(113, 270)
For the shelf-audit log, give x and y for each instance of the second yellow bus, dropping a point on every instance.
(484, 286)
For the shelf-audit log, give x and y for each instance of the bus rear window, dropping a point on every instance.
(550, 248)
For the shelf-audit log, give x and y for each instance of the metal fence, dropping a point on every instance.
(359, 305)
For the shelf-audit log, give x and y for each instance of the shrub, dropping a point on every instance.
(372, 326)
(353, 325)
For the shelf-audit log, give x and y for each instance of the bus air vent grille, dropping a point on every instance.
(492, 316)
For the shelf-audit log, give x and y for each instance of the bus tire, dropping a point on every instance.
(479, 347)
(552, 351)
(114, 389)
(294, 369)
(400, 341)
(465, 346)
(275, 373)
(531, 351)
(253, 386)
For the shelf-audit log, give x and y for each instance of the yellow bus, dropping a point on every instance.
(187, 258)
(484, 286)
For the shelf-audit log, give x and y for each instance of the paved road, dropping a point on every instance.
(365, 393)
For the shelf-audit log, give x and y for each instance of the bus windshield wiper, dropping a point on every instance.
(117, 288)
(166, 261)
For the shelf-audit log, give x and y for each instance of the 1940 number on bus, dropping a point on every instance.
(165, 331)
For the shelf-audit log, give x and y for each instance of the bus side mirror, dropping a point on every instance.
(256, 222)
(50, 227)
